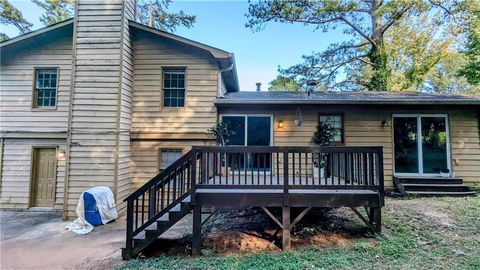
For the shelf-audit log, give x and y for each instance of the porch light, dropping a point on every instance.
(280, 124)
(384, 123)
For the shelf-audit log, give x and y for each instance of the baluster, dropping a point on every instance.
(143, 208)
(264, 169)
(226, 168)
(136, 213)
(371, 169)
(278, 168)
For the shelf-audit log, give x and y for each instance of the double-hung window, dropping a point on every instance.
(335, 121)
(168, 156)
(174, 88)
(45, 91)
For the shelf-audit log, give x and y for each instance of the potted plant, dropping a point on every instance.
(222, 132)
(445, 173)
(323, 136)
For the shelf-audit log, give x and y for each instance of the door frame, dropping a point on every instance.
(33, 162)
(246, 124)
(419, 143)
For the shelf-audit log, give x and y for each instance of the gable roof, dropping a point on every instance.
(36, 33)
(226, 59)
(339, 97)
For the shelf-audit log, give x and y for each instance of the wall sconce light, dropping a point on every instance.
(384, 123)
(280, 124)
(61, 154)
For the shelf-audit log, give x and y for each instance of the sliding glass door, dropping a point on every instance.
(250, 130)
(421, 144)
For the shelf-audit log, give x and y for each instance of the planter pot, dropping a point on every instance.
(444, 174)
(315, 172)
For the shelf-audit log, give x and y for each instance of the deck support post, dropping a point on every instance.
(376, 218)
(286, 241)
(197, 230)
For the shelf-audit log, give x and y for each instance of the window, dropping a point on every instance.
(168, 156)
(174, 88)
(45, 92)
(335, 121)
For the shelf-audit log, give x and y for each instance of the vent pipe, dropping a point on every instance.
(258, 86)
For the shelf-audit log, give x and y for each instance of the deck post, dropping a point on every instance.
(197, 230)
(376, 218)
(286, 243)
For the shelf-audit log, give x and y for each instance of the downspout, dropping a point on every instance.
(219, 79)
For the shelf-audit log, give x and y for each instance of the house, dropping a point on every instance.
(102, 100)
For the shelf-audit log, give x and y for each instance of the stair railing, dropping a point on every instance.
(159, 195)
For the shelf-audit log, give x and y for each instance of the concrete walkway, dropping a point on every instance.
(39, 240)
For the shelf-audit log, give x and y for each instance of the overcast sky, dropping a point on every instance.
(221, 24)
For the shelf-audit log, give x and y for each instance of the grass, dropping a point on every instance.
(419, 233)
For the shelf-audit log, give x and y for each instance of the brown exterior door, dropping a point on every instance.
(44, 177)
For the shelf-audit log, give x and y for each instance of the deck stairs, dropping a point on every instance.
(432, 186)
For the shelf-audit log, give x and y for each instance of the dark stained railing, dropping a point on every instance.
(247, 167)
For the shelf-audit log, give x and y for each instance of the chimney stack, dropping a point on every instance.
(258, 86)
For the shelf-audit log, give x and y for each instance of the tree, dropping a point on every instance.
(9, 15)
(154, 14)
(55, 10)
(366, 22)
(471, 70)
(281, 83)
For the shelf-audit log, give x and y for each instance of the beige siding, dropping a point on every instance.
(199, 114)
(362, 127)
(16, 86)
(99, 152)
(465, 145)
(145, 156)
(16, 171)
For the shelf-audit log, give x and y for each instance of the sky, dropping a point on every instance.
(221, 24)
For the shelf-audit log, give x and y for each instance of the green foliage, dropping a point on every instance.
(323, 134)
(440, 233)
(393, 45)
(222, 132)
(10, 15)
(471, 70)
(154, 13)
(55, 10)
(281, 83)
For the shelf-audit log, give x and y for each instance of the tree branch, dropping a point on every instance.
(358, 30)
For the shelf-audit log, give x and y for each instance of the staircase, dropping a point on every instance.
(432, 186)
(160, 203)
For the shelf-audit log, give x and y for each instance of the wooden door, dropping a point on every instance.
(44, 177)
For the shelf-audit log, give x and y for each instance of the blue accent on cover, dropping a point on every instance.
(90, 207)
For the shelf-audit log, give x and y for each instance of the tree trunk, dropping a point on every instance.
(377, 55)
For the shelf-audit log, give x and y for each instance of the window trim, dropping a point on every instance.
(162, 90)
(342, 135)
(34, 106)
(167, 148)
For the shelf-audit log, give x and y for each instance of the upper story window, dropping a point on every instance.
(45, 92)
(335, 121)
(174, 88)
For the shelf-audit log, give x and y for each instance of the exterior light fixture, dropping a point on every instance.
(280, 124)
(384, 123)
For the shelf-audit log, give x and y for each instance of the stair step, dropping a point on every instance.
(439, 193)
(428, 180)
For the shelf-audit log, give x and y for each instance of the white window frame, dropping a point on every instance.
(419, 144)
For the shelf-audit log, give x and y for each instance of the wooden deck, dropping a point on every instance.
(266, 177)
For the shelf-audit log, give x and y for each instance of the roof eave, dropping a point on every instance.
(220, 101)
(35, 33)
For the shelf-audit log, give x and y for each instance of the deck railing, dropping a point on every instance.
(252, 167)
(293, 167)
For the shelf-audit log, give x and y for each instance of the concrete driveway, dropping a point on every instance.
(39, 240)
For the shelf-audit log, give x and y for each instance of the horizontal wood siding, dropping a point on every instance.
(99, 93)
(17, 81)
(363, 127)
(145, 157)
(199, 114)
(16, 170)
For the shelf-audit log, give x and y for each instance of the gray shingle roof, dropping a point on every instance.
(264, 97)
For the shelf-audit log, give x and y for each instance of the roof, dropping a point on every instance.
(226, 59)
(339, 97)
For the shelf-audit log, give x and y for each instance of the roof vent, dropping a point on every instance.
(258, 86)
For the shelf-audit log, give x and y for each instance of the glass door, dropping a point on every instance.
(250, 130)
(420, 144)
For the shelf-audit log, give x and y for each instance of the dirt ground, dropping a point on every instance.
(39, 240)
